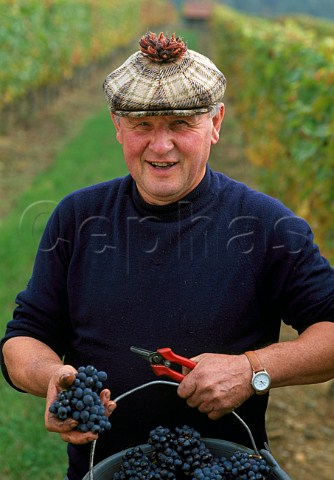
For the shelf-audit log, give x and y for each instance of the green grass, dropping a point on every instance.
(26, 450)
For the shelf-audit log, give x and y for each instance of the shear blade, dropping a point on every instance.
(147, 354)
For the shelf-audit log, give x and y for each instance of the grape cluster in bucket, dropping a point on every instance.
(82, 402)
(182, 455)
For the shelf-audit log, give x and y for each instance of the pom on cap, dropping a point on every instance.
(162, 48)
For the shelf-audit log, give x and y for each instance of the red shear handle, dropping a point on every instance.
(162, 370)
(168, 354)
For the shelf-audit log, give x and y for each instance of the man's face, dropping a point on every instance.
(167, 155)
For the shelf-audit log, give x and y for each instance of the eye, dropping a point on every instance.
(179, 124)
(141, 126)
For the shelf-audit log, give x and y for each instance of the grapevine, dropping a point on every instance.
(281, 78)
(35, 48)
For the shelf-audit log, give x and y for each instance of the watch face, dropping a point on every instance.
(261, 381)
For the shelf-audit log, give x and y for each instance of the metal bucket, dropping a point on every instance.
(219, 448)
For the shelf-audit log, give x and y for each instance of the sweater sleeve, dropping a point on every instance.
(300, 278)
(42, 310)
(294, 282)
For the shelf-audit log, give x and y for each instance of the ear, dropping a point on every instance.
(216, 124)
(116, 122)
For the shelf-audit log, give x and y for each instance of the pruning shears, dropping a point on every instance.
(162, 359)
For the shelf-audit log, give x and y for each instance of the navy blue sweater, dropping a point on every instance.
(215, 272)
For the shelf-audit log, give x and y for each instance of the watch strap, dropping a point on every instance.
(254, 361)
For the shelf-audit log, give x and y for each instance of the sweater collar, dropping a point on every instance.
(187, 206)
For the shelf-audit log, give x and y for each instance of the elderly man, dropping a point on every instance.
(172, 255)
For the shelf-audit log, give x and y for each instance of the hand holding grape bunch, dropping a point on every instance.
(77, 405)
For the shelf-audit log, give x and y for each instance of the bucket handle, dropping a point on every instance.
(162, 382)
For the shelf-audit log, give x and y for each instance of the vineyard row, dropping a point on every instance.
(44, 42)
(280, 76)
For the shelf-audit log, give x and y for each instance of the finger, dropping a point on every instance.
(205, 408)
(66, 380)
(108, 404)
(216, 414)
(54, 424)
(109, 407)
(78, 438)
(105, 396)
(194, 401)
(185, 370)
(199, 357)
(187, 387)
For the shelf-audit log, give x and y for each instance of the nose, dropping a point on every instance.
(161, 140)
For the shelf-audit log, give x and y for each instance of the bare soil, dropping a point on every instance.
(301, 418)
(301, 428)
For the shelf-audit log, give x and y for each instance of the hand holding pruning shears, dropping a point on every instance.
(216, 384)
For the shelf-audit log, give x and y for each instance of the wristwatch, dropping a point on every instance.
(261, 379)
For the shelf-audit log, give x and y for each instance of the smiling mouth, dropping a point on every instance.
(162, 164)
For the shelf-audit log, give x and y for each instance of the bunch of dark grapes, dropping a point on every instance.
(182, 451)
(214, 471)
(243, 466)
(82, 402)
(137, 466)
(182, 455)
(238, 466)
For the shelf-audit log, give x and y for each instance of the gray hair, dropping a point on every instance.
(215, 110)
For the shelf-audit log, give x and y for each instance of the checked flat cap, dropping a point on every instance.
(164, 78)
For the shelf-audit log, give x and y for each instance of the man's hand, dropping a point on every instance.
(218, 384)
(62, 379)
